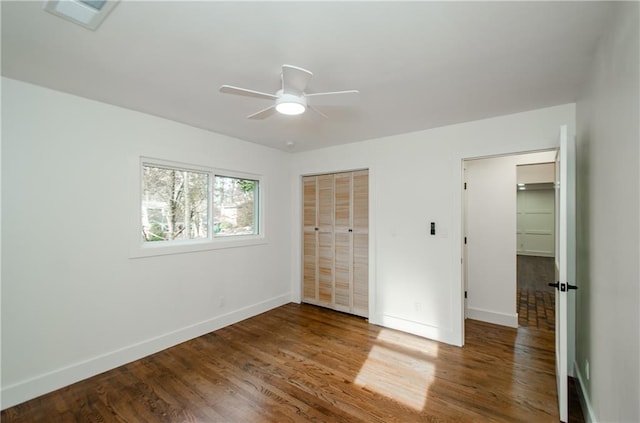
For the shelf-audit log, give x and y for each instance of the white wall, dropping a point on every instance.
(491, 236)
(536, 222)
(536, 205)
(608, 188)
(73, 302)
(416, 178)
(537, 173)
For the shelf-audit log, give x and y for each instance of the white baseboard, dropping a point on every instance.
(585, 403)
(494, 317)
(536, 253)
(31, 388)
(416, 328)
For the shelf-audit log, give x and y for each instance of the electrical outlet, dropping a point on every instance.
(418, 306)
(222, 302)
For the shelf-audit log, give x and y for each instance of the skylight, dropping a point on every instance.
(96, 4)
(87, 13)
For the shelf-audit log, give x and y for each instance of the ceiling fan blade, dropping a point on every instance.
(337, 98)
(294, 79)
(318, 112)
(228, 89)
(264, 113)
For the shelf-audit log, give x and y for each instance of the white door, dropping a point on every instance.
(564, 262)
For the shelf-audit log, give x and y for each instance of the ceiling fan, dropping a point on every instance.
(292, 99)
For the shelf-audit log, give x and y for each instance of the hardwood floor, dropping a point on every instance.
(535, 299)
(302, 363)
(535, 272)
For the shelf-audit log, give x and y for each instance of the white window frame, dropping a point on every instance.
(140, 248)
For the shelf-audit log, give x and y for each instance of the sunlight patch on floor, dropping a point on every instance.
(399, 369)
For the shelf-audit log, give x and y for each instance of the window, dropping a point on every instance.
(234, 206)
(175, 204)
(191, 208)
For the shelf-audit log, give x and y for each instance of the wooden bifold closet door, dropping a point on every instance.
(336, 241)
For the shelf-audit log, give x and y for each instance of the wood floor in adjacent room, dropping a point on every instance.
(302, 363)
(535, 299)
(536, 309)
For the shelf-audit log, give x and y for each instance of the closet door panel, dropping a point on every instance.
(343, 271)
(325, 239)
(325, 268)
(342, 215)
(310, 277)
(336, 241)
(310, 242)
(361, 201)
(361, 243)
(325, 203)
(342, 240)
(309, 202)
(361, 274)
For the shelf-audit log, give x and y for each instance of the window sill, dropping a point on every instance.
(153, 249)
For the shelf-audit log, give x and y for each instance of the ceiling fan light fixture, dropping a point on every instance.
(292, 99)
(291, 109)
(291, 105)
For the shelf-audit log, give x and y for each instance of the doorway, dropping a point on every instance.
(491, 238)
(496, 243)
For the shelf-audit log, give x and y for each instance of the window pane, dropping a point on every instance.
(235, 208)
(175, 204)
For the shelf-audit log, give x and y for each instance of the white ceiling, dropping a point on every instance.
(418, 65)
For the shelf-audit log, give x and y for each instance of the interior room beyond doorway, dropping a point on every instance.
(536, 245)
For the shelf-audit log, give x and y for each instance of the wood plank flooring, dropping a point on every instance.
(301, 363)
